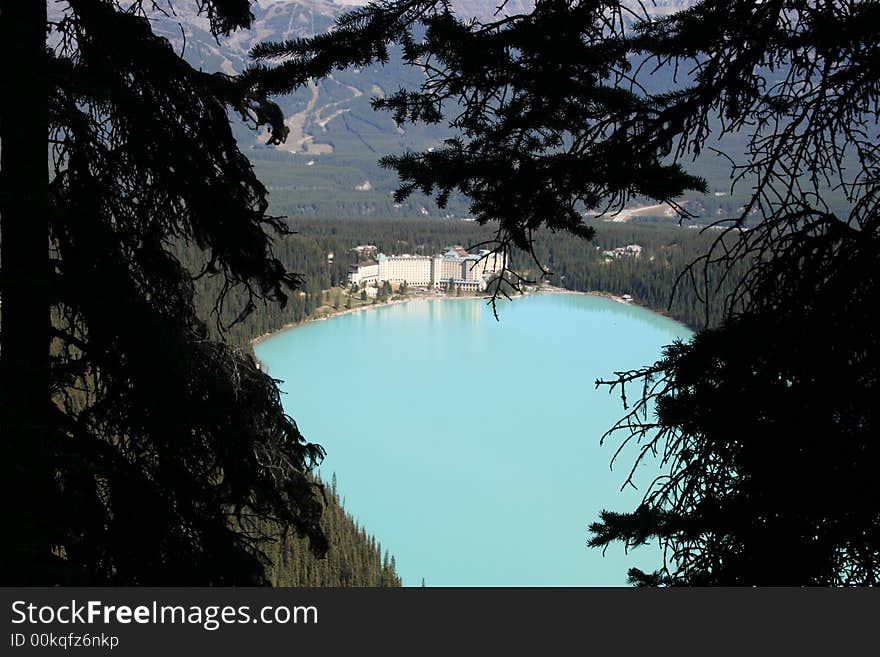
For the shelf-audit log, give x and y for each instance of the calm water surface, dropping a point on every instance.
(470, 447)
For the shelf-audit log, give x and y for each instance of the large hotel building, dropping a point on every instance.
(455, 268)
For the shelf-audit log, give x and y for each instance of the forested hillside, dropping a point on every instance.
(573, 263)
(355, 558)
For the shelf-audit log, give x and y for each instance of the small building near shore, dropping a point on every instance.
(628, 251)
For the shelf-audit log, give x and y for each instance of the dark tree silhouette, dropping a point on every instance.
(136, 449)
(766, 423)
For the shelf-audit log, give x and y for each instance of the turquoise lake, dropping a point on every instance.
(470, 447)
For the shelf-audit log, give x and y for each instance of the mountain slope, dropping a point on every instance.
(328, 166)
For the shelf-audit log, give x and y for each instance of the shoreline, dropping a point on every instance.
(546, 289)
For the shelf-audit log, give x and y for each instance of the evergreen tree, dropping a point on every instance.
(138, 449)
(768, 421)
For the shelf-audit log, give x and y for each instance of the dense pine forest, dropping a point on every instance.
(354, 557)
(321, 250)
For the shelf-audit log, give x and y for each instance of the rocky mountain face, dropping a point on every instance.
(331, 116)
(321, 114)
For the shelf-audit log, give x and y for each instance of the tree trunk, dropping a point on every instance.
(24, 294)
